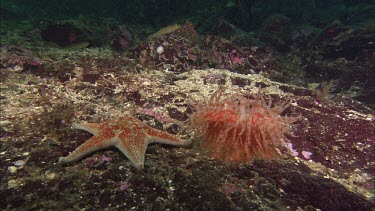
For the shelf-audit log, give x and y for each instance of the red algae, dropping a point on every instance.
(238, 129)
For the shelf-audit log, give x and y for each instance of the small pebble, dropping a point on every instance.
(50, 175)
(5, 123)
(12, 183)
(12, 169)
(19, 163)
(160, 49)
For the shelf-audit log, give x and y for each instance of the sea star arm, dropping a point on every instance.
(136, 154)
(161, 137)
(93, 144)
(93, 128)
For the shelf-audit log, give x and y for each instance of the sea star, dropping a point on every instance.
(128, 134)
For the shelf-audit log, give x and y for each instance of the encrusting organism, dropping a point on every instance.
(238, 129)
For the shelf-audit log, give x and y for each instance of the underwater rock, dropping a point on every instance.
(225, 54)
(120, 37)
(276, 24)
(179, 54)
(63, 34)
(345, 55)
(19, 59)
(332, 31)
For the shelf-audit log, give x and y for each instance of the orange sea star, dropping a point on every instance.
(128, 134)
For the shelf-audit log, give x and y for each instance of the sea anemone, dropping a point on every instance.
(238, 129)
